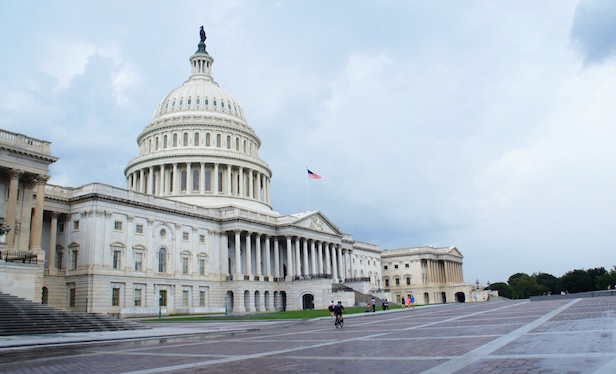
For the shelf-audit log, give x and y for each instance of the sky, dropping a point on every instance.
(485, 125)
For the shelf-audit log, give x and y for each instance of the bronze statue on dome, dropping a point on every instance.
(202, 35)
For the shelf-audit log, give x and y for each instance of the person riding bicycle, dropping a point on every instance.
(338, 310)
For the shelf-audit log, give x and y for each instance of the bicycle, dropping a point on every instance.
(339, 322)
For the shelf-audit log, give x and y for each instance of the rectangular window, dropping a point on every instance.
(185, 235)
(61, 227)
(202, 239)
(385, 267)
(137, 296)
(117, 225)
(407, 265)
(201, 266)
(386, 282)
(395, 266)
(408, 281)
(71, 298)
(397, 281)
(184, 265)
(117, 257)
(162, 297)
(138, 261)
(139, 229)
(59, 259)
(185, 298)
(115, 297)
(202, 298)
(74, 259)
(76, 225)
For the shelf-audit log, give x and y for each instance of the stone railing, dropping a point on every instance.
(23, 141)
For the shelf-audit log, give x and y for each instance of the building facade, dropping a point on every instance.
(193, 231)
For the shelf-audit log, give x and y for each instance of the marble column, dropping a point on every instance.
(298, 258)
(53, 232)
(258, 255)
(11, 211)
(238, 258)
(306, 271)
(289, 260)
(36, 227)
(313, 258)
(334, 263)
(320, 257)
(276, 259)
(249, 254)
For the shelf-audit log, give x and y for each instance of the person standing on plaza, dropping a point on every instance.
(330, 307)
(408, 301)
(412, 302)
(403, 302)
(373, 302)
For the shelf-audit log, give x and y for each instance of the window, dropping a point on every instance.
(117, 225)
(207, 139)
(237, 144)
(201, 266)
(196, 139)
(202, 298)
(220, 181)
(185, 236)
(162, 297)
(202, 239)
(137, 296)
(183, 181)
(175, 140)
(162, 261)
(163, 233)
(407, 265)
(75, 225)
(395, 266)
(228, 142)
(74, 259)
(195, 181)
(156, 144)
(218, 140)
(408, 281)
(184, 265)
(185, 298)
(115, 297)
(61, 227)
(139, 229)
(198, 100)
(386, 282)
(397, 281)
(138, 261)
(165, 141)
(59, 259)
(208, 180)
(385, 267)
(117, 257)
(71, 298)
(185, 139)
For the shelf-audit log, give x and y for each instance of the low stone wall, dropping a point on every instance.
(20, 280)
(574, 295)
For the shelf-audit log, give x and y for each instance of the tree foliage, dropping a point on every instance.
(522, 285)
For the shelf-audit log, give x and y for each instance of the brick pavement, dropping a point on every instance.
(560, 336)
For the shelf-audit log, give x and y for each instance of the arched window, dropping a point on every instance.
(228, 142)
(237, 144)
(156, 143)
(162, 260)
(207, 139)
(165, 142)
(208, 180)
(218, 140)
(219, 181)
(195, 181)
(175, 140)
(196, 140)
(185, 139)
(244, 145)
(183, 181)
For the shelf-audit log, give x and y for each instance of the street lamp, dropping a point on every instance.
(4, 229)
(378, 281)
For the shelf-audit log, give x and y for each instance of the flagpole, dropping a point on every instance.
(307, 195)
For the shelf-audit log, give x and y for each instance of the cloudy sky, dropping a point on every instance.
(485, 125)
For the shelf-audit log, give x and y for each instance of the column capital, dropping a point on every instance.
(42, 179)
(15, 173)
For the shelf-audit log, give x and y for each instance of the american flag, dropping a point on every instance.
(313, 175)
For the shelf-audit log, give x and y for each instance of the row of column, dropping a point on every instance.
(444, 271)
(224, 179)
(302, 257)
(36, 224)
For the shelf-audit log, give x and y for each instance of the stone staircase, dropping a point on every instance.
(22, 317)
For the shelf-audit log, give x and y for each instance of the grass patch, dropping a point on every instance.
(291, 314)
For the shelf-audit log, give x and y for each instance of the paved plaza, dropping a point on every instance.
(558, 336)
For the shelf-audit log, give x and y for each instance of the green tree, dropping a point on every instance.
(501, 287)
(522, 286)
(606, 281)
(577, 281)
(549, 281)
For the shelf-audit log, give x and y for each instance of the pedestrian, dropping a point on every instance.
(367, 308)
(384, 304)
(403, 302)
(413, 301)
(373, 302)
(408, 301)
(330, 307)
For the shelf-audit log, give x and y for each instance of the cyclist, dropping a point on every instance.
(338, 310)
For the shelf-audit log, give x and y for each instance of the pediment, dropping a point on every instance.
(316, 221)
(453, 251)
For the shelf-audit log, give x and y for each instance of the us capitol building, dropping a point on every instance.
(194, 230)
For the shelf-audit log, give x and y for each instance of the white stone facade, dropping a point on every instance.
(194, 230)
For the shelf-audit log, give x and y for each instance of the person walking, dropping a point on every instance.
(413, 301)
(330, 307)
(373, 302)
(408, 301)
(403, 302)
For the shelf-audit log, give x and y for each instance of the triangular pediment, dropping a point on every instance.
(316, 221)
(453, 251)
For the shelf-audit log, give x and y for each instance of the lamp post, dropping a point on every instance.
(160, 304)
(4, 229)
(378, 281)
(477, 283)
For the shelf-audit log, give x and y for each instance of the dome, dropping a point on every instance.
(199, 149)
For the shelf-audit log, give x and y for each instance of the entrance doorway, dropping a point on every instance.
(308, 302)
